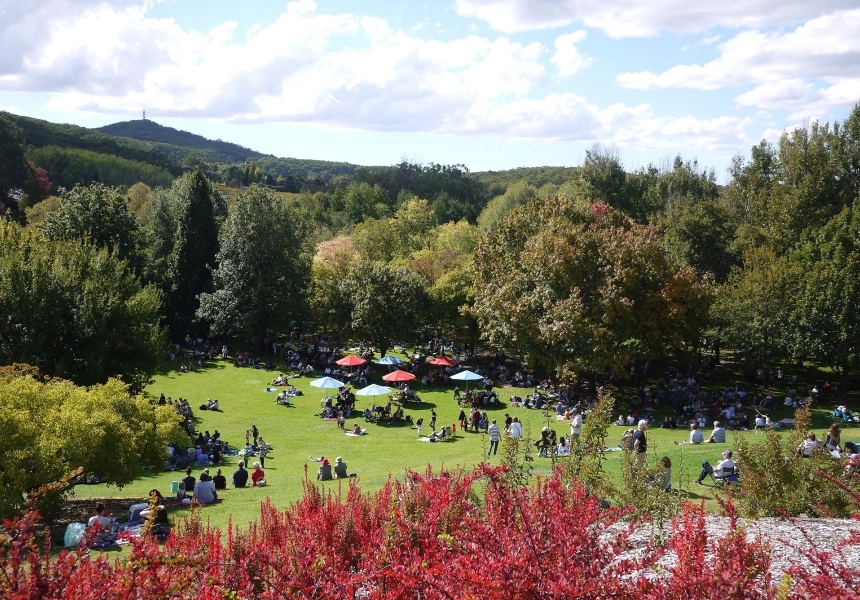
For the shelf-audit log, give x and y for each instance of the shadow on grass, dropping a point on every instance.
(399, 424)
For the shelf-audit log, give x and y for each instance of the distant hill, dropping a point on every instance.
(209, 150)
(39, 133)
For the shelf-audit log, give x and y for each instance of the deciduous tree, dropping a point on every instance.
(387, 304)
(579, 288)
(264, 269)
(74, 310)
(51, 428)
(825, 323)
(753, 308)
(99, 213)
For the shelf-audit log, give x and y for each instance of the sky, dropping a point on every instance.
(491, 84)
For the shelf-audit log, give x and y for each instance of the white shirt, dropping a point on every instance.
(576, 425)
(516, 430)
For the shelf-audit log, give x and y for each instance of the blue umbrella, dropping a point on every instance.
(373, 390)
(327, 383)
(388, 360)
(467, 376)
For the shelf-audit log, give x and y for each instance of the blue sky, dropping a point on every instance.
(492, 84)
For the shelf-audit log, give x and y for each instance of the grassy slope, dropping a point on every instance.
(297, 434)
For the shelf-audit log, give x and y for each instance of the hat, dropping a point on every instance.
(339, 459)
(716, 423)
(546, 427)
(325, 461)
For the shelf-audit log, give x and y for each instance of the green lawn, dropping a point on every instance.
(387, 451)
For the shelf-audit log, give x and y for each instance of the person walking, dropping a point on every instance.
(433, 420)
(495, 434)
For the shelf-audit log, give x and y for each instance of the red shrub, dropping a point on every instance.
(452, 535)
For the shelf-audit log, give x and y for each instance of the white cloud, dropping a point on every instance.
(567, 58)
(785, 69)
(339, 71)
(640, 128)
(643, 18)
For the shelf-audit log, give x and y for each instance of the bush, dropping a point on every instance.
(776, 481)
(430, 536)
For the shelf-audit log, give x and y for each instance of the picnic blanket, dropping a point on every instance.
(351, 434)
(447, 438)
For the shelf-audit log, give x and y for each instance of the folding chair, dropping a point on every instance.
(726, 476)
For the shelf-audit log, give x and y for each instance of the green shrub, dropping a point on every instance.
(777, 481)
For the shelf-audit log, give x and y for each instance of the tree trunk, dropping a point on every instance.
(843, 384)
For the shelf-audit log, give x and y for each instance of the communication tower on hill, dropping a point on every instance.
(144, 115)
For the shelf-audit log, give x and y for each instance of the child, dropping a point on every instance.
(418, 424)
(667, 473)
(181, 495)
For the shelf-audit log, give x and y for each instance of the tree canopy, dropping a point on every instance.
(264, 267)
(50, 428)
(74, 310)
(578, 288)
(183, 243)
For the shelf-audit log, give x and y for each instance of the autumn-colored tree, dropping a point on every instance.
(51, 428)
(331, 265)
(36, 187)
(579, 288)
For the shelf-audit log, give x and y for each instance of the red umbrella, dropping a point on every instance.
(351, 360)
(441, 361)
(398, 375)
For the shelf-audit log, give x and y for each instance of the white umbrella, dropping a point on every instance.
(467, 376)
(373, 390)
(327, 383)
(388, 360)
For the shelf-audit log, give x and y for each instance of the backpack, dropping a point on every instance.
(627, 440)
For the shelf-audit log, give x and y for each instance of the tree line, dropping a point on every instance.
(591, 274)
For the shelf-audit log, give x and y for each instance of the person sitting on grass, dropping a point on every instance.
(357, 430)
(156, 509)
(324, 473)
(240, 475)
(219, 481)
(101, 524)
(833, 441)
(724, 469)
(204, 491)
(718, 435)
(696, 436)
(340, 468)
(808, 447)
(258, 477)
